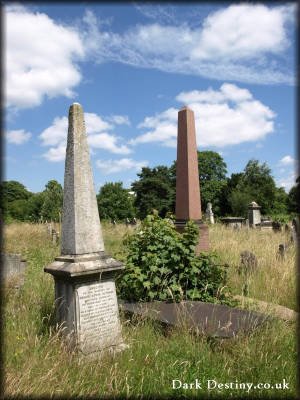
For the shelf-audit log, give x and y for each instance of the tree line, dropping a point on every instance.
(155, 188)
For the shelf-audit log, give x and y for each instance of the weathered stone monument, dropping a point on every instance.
(86, 301)
(209, 215)
(254, 214)
(13, 268)
(188, 202)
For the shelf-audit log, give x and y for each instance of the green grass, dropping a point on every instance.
(37, 362)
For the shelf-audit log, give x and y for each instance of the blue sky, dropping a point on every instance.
(132, 66)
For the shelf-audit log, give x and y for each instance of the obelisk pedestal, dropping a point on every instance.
(188, 202)
(85, 293)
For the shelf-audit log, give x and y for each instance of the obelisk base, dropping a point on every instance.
(203, 242)
(86, 301)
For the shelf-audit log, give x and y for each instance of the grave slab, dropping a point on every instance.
(210, 319)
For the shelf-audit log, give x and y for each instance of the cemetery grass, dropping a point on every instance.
(38, 363)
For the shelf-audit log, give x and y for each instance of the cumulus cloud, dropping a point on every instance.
(225, 46)
(225, 117)
(120, 119)
(287, 160)
(18, 136)
(56, 136)
(113, 166)
(41, 58)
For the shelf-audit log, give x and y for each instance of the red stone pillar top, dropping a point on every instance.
(188, 203)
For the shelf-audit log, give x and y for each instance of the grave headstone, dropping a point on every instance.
(282, 250)
(277, 226)
(209, 215)
(254, 215)
(188, 201)
(13, 270)
(86, 301)
(249, 262)
(247, 224)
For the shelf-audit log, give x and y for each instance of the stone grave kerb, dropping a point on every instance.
(188, 200)
(85, 294)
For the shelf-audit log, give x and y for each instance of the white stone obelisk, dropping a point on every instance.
(85, 293)
(81, 230)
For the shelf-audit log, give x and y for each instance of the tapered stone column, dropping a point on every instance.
(86, 301)
(188, 202)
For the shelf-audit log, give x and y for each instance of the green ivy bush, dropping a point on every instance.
(161, 264)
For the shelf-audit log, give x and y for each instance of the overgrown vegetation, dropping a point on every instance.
(161, 264)
(37, 363)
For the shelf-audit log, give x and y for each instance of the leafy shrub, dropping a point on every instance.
(283, 218)
(161, 264)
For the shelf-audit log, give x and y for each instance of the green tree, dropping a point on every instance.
(13, 190)
(53, 201)
(18, 210)
(154, 190)
(280, 201)
(212, 175)
(256, 184)
(225, 197)
(35, 205)
(14, 198)
(239, 201)
(293, 198)
(114, 202)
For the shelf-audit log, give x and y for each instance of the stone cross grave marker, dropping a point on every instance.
(188, 201)
(85, 293)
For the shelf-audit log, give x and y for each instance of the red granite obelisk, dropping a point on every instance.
(188, 201)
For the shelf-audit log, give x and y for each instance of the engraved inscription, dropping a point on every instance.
(97, 313)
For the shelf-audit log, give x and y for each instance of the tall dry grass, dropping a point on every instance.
(38, 364)
(275, 280)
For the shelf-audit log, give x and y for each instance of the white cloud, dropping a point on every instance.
(242, 31)
(56, 136)
(288, 181)
(108, 142)
(41, 58)
(287, 160)
(225, 117)
(120, 119)
(56, 154)
(224, 47)
(113, 166)
(56, 133)
(18, 136)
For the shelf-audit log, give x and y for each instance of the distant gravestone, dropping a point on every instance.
(277, 226)
(247, 224)
(209, 215)
(233, 222)
(295, 231)
(13, 270)
(85, 293)
(188, 201)
(282, 250)
(249, 262)
(254, 215)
